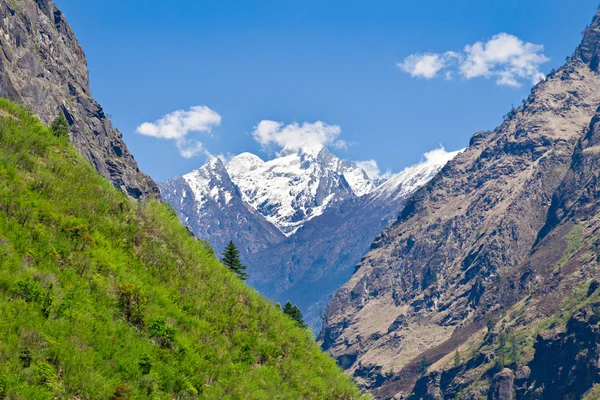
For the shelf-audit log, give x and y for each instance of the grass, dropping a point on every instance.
(104, 297)
(574, 242)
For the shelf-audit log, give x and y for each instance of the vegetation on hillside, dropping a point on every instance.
(231, 259)
(103, 297)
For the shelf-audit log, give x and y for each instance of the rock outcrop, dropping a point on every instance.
(43, 67)
(484, 236)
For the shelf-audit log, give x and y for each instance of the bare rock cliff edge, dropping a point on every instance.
(43, 67)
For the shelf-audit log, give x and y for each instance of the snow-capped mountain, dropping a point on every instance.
(298, 185)
(211, 204)
(412, 178)
(320, 257)
(303, 219)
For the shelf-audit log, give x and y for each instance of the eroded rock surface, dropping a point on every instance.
(43, 67)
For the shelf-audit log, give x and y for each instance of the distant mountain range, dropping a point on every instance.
(302, 220)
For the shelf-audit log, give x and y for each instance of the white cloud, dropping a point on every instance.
(426, 65)
(504, 57)
(189, 148)
(178, 124)
(438, 156)
(372, 169)
(295, 135)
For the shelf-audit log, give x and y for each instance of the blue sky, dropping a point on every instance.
(306, 61)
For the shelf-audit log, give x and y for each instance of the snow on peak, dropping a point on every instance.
(211, 182)
(298, 185)
(302, 182)
(412, 178)
(243, 163)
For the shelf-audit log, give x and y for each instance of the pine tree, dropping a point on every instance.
(60, 126)
(294, 313)
(231, 259)
(457, 358)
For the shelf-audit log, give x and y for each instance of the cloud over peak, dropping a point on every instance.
(296, 135)
(178, 124)
(372, 169)
(504, 57)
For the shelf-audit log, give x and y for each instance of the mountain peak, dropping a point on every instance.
(243, 163)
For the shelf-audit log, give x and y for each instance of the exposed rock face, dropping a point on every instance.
(567, 364)
(477, 239)
(43, 67)
(502, 385)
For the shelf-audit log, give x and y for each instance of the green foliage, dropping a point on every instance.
(231, 259)
(162, 332)
(44, 374)
(145, 364)
(25, 358)
(574, 242)
(113, 263)
(60, 127)
(131, 302)
(29, 290)
(47, 302)
(457, 359)
(294, 313)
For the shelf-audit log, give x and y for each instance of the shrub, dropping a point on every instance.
(131, 302)
(45, 374)
(162, 332)
(25, 358)
(29, 290)
(121, 392)
(145, 364)
(60, 126)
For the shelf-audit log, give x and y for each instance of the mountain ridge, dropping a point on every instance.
(446, 266)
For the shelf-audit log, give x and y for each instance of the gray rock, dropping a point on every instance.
(43, 67)
(502, 386)
(485, 233)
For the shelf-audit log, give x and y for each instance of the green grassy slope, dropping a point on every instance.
(102, 297)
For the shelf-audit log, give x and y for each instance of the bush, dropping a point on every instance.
(131, 302)
(163, 333)
(29, 290)
(25, 358)
(45, 375)
(145, 364)
(60, 127)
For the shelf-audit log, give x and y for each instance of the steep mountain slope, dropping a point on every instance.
(441, 271)
(310, 265)
(105, 297)
(43, 67)
(298, 185)
(212, 205)
(550, 326)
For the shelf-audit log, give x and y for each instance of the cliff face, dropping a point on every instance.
(475, 242)
(43, 67)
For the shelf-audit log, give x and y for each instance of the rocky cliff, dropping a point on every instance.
(43, 67)
(490, 244)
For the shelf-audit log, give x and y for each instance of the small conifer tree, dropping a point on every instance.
(294, 313)
(60, 126)
(457, 358)
(231, 259)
